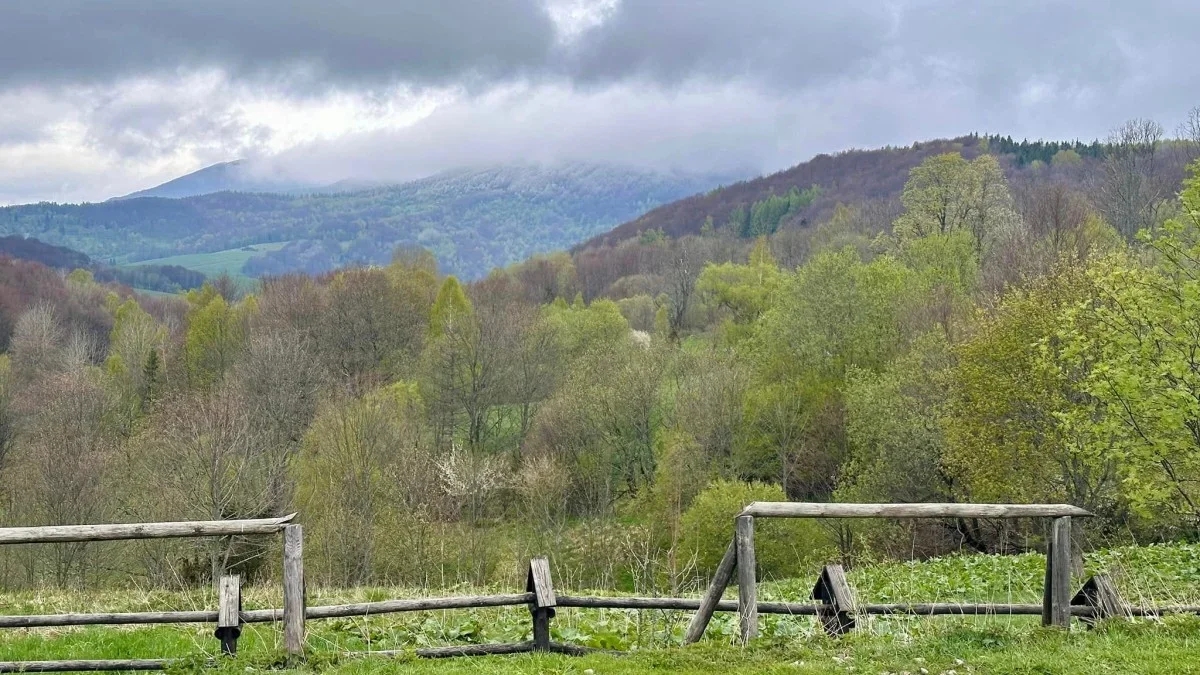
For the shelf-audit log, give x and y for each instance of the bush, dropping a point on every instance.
(784, 547)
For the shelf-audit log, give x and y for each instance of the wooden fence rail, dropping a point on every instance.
(833, 601)
(832, 589)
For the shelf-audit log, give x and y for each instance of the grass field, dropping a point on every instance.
(649, 639)
(216, 262)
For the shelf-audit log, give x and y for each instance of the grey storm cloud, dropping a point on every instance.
(437, 41)
(69, 40)
(158, 86)
(780, 43)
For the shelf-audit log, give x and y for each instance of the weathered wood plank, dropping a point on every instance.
(747, 578)
(538, 581)
(838, 604)
(712, 596)
(454, 650)
(948, 510)
(1048, 580)
(106, 619)
(1060, 572)
(82, 665)
(293, 590)
(1101, 595)
(541, 610)
(415, 605)
(229, 613)
(194, 528)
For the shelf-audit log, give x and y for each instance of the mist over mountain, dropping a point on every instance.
(472, 219)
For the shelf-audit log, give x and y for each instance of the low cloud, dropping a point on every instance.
(98, 99)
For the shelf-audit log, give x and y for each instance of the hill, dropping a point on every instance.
(162, 276)
(472, 219)
(850, 177)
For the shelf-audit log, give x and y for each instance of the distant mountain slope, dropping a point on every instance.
(473, 220)
(224, 177)
(165, 278)
(851, 177)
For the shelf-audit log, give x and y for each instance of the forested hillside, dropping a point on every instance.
(984, 338)
(161, 278)
(472, 220)
(871, 177)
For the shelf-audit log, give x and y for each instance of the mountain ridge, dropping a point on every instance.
(473, 219)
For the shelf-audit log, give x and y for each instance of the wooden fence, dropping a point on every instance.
(835, 605)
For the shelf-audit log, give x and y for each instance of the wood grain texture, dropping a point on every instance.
(106, 619)
(747, 578)
(712, 596)
(838, 605)
(948, 510)
(82, 665)
(454, 650)
(192, 528)
(1101, 595)
(541, 610)
(293, 590)
(539, 582)
(229, 613)
(1060, 573)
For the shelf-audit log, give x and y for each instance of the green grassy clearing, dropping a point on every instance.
(216, 262)
(1148, 575)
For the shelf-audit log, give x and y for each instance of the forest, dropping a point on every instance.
(471, 219)
(161, 278)
(974, 339)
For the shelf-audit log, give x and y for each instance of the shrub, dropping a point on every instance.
(784, 547)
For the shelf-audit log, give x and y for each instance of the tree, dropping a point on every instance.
(216, 334)
(1130, 190)
(364, 471)
(894, 427)
(946, 193)
(743, 290)
(206, 457)
(133, 355)
(1006, 439)
(1136, 348)
(377, 322)
(65, 444)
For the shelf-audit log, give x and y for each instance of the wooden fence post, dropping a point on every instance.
(747, 578)
(538, 582)
(1048, 579)
(1056, 598)
(293, 590)
(712, 596)
(229, 613)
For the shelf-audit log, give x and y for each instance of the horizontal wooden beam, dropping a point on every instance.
(823, 510)
(455, 650)
(417, 605)
(114, 619)
(191, 528)
(82, 665)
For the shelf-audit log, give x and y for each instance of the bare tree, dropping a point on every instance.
(1189, 135)
(1056, 213)
(208, 458)
(1130, 190)
(65, 442)
(37, 342)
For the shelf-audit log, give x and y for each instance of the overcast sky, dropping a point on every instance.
(103, 98)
